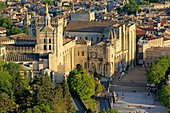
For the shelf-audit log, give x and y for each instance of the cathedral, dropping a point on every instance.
(102, 47)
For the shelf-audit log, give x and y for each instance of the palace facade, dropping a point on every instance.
(102, 47)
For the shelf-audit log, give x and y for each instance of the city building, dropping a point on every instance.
(102, 47)
(154, 53)
(82, 16)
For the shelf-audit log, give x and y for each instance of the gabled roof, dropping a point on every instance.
(47, 28)
(22, 36)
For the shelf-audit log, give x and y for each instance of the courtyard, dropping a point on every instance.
(132, 93)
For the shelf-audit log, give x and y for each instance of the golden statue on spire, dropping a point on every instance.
(47, 14)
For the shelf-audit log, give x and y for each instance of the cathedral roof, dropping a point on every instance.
(66, 40)
(47, 28)
(88, 26)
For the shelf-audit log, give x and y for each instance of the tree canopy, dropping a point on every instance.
(81, 83)
(157, 71)
(2, 6)
(164, 96)
(20, 95)
(131, 8)
(157, 74)
(49, 2)
(11, 30)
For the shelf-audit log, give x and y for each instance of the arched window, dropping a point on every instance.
(82, 53)
(44, 40)
(45, 47)
(50, 40)
(49, 47)
(97, 38)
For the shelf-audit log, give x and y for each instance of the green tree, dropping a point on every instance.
(131, 8)
(81, 83)
(164, 96)
(5, 22)
(157, 71)
(98, 87)
(25, 30)
(42, 109)
(6, 83)
(2, 6)
(6, 103)
(112, 111)
(49, 2)
(145, 2)
(12, 68)
(15, 30)
(67, 97)
(43, 90)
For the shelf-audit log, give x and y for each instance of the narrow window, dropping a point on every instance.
(49, 47)
(45, 47)
(49, 40)
(44, 40)
(82, 53)
(78, 53)
(97, 38)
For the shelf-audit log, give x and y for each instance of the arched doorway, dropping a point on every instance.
(85, 65)
(106, 69)
(93, 67)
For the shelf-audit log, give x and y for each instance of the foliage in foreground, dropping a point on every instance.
(110, 111)
(19, 95)
(81, 83)
(157, 75)
(157, 71)
(164, 96)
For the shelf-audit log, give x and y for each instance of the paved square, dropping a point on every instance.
(138, 101)
(135, 102)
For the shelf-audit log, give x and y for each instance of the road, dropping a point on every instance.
(104, 104)
(80, 107)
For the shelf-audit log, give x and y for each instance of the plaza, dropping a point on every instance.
(132, 94)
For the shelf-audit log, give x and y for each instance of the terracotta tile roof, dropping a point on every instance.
(2, 28)
(140, 32)
(22, 36)
(4, 39)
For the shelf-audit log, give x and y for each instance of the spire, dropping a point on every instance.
(47, 16)
(73, 10)
(110, 34)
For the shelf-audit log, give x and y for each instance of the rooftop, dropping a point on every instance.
(88, 26)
